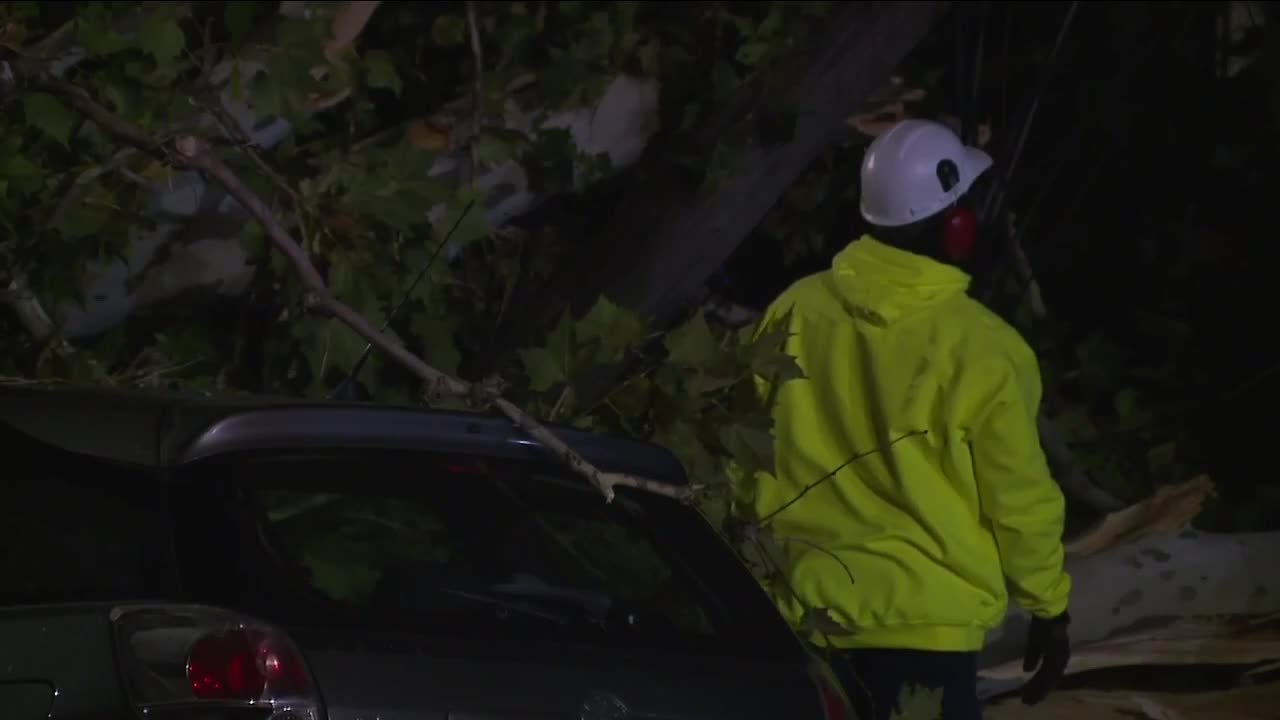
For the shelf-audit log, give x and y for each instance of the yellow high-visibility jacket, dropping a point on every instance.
(957, 499)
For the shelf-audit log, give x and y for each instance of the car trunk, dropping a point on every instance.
(435, 586)
(57, 661)
(362, 677)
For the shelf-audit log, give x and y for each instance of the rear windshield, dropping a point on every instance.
(78, 529)
(479, 547)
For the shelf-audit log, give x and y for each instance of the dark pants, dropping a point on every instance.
(874, 680)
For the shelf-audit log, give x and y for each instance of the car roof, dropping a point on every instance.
(168, 429)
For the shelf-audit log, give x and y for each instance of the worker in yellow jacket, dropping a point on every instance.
(920, 405)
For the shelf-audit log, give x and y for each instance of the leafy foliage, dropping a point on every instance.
(374, 144)
(354, 191)
(356, 196)
(372, 123)
(694, 392)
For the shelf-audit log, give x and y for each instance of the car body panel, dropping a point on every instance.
(559, 684)
(163, 430)
(63, 654)
(164, 439)
(31, 700)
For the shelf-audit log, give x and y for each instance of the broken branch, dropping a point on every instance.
(193, 153)
(477, 110)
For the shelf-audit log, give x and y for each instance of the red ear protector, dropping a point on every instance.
(959, 223)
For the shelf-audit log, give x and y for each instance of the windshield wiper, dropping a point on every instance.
(505, 604)
(529, 595)
(523, 585)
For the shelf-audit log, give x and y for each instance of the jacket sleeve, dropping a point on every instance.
(1018, 495)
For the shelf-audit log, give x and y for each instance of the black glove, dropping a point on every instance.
(1048, 647)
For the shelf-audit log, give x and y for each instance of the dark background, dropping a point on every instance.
(1148, 190)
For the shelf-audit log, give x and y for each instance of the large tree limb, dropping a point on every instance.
(1246, 703)
(192, 153)
(1143, 584)
(1186, 642)
(668, 237)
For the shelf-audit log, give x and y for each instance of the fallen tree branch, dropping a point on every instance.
(1186, 642)
(1169, 510)
(1247, 703)
(477, 101)
(1145, 584)
(192, 153)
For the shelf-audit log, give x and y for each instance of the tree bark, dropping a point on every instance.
(1247, 703)
(655, 254)
(1144, 572)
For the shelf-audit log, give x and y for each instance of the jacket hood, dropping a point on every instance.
(883, 284)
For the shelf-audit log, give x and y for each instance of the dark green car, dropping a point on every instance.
(187, 558)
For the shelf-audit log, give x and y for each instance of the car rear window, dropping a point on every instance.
(77, 529)
(483, 547)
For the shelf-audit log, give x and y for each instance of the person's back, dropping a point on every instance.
(918, 406)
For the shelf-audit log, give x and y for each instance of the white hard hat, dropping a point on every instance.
(901, 172)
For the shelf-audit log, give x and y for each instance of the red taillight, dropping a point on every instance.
(239, 664)
(183, 654)
(833, 703)
(835, 706)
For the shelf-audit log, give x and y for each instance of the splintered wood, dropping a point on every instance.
(1189, 642)
(1250, 703)
(1172, 508)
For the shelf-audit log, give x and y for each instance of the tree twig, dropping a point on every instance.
(193, 153)
(805, 491)
(477, 102)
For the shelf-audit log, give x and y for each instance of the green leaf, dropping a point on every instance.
(473, 226)
(49, 115)
(543, 368)
(24, 176)
(95, 33)
(723, 78)
(692, 345)
(752, 53)
(239, 17)
(690, 116)
(561, 338)
(82, 220)
(494, 148)
(918, 703)
(449, 30)
(344, 346)
(381, 71)
(266, 96)
(161, 38)
(751, 446)
(341, 569)
(681, 438)
(550, 364)
(765, 354)
(1126, 403)
(560, 81)
(436, 333)
(615, 327)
